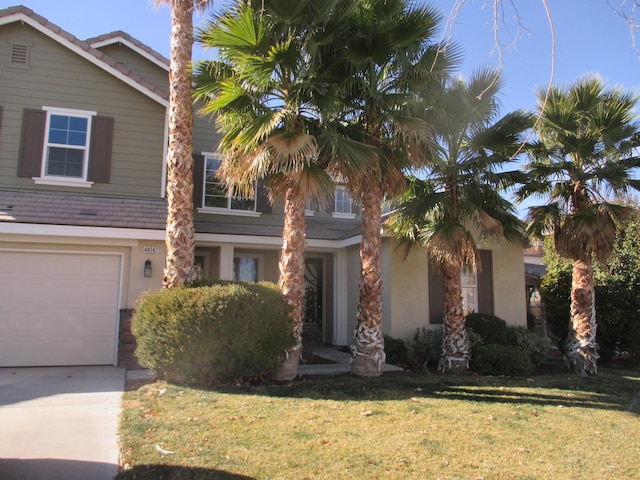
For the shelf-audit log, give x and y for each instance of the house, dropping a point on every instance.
(83, 137)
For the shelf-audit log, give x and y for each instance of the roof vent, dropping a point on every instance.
(19, 55)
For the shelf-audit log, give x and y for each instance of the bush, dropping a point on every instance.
(396, 351)
(425, 348)
(492, 329)
(207, 334)
(533, 344)
(501, 360)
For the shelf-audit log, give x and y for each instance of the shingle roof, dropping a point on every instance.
(91, 211)
(107, 62)
(117, 35)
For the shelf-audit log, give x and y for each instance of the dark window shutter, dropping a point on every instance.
(485, 282)
(31, 143)
(100, 150)
(198, 180)
(436, 291)
(263, 204)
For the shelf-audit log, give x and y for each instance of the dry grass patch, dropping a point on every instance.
(398, 426)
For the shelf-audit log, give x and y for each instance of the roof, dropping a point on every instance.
(92, 211)
(21, 13)
(118, 36)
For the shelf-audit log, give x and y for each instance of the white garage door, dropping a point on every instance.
(58, 308)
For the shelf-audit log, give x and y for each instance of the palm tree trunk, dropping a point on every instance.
(582, 350)
(455, 345)
(180, 236)
(291, 279)
(368, 349)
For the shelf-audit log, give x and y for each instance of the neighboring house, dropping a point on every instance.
(83, 135)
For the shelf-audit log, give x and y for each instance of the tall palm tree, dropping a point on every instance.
(180, 234)
(459, 196)
(387, 52)
(263, 92)
(585, 157)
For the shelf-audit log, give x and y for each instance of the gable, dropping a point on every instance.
(23, 16)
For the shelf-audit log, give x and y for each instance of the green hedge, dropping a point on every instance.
(492, 329)
(208, 334)
(501, 360)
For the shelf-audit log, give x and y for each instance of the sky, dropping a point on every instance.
(590, 38)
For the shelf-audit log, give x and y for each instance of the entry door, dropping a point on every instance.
(313, 294)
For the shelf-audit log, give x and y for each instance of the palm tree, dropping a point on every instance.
(584, 159)
(459, 196)
(263, 94)
(180, 235)
(386, 53)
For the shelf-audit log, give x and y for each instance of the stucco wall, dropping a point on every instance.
(409, 289)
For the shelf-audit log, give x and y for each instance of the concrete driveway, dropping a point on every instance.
(60, 422)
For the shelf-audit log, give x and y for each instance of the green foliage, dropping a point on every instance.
(396, 351)
(501, 360)
(617, 284)
(425, 348)
(533, 344)
(492, 329)
(208, 334)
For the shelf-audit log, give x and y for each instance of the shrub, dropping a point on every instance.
(501, 360)
(207, 334)
(533, 344)
(425, 348)
(492, 329)
(395, 350)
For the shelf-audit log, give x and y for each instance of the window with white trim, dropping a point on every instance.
(215, 194)
(469, 283)
(343, 200)
(66, 144)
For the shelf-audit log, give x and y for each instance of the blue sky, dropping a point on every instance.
(590, 38)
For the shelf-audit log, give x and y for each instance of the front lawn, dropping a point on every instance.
(397, 426)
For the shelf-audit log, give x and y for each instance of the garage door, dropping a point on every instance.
(58, 308)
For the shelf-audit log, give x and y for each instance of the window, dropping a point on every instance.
(477, 290)
(469, 283)
(215, 193)
(343, 203)
(343, 200)
(245, 269)
(66, 148)
(60, 146)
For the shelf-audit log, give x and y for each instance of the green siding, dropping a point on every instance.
(58, 77)
(139, 64)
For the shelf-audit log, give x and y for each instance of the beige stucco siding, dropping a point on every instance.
(408, 293)
(57, 77)
(509, 294)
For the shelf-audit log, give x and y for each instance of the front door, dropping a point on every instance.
(313, 299)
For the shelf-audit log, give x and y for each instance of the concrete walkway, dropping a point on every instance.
(60, 422)
(341, 365)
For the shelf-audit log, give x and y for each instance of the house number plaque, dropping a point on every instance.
(147, 249)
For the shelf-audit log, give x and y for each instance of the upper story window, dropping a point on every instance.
(343, 203)
(66, 149)
(215, 194)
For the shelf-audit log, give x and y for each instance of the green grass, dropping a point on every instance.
(397, 426)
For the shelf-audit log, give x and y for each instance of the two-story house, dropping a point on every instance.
(83, 135)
